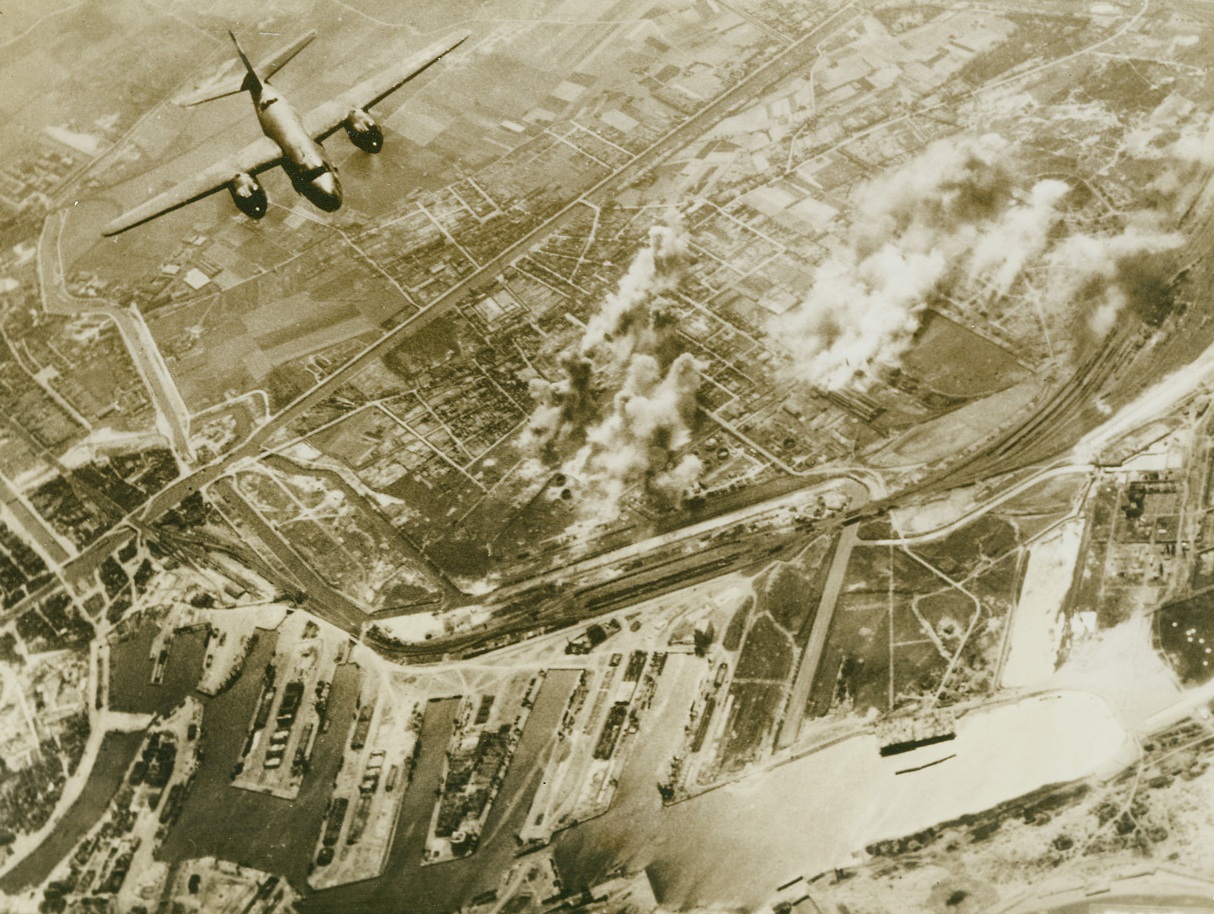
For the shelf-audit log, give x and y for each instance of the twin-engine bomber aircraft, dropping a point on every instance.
(290, 140)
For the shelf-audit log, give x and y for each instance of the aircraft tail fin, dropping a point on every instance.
(236, 84)
(252, 82)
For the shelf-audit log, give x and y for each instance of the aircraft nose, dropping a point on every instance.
(327, 191)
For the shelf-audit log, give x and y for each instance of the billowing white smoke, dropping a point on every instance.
(1019, 237)
(1177, 139)
(910, 229)
(952, 218)
(861, 311)
(1175, 130)
(637, 441)
(951, 211)
(1103, 276)
(627, 401)
(656, 269)
(1197, 143)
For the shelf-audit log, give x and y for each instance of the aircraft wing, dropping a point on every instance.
(260, 155)
(322, 122)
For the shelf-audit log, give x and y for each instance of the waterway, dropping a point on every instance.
(115, 755)
(410, 888)
(131, 666)
(130, 689)
(33, 525)
(250, 828)
(731, 846)
(253, 829)
(812, 814)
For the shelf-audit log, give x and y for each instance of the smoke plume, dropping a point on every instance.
(958, 219)
(1102, 277)
(625, 403)
(637, 442)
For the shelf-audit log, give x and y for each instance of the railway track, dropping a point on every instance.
(1054, 428)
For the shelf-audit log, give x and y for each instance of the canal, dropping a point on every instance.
(130, 689)
(115, 755)
(254, 829)
(131, 667)
(407, 887)
(733, 846)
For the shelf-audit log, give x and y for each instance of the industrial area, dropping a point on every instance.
(700, 456)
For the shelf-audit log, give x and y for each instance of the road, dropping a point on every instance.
(811, 657)
(795, 55)
(1003, 454)
(678, 137)
(969, 516)
(322, 600)
(1156, 401)
(56, 299)
(173, 419)
(675, 139)
(101, 722)
(36, 529)
(776, 510)
(1132, 886)
(599, 584)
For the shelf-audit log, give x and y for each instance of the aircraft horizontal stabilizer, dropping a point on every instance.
(233, 83)
(232, 86)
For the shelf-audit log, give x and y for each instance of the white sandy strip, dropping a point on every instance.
(415, 627)
(1121, 665)
(1151, 405)
(1036, 626)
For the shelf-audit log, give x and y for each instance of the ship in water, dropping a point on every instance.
(913, 731)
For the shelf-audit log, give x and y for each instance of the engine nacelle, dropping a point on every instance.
(248, 195)
(363, 131)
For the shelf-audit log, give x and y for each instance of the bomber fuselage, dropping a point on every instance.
(312, 175)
